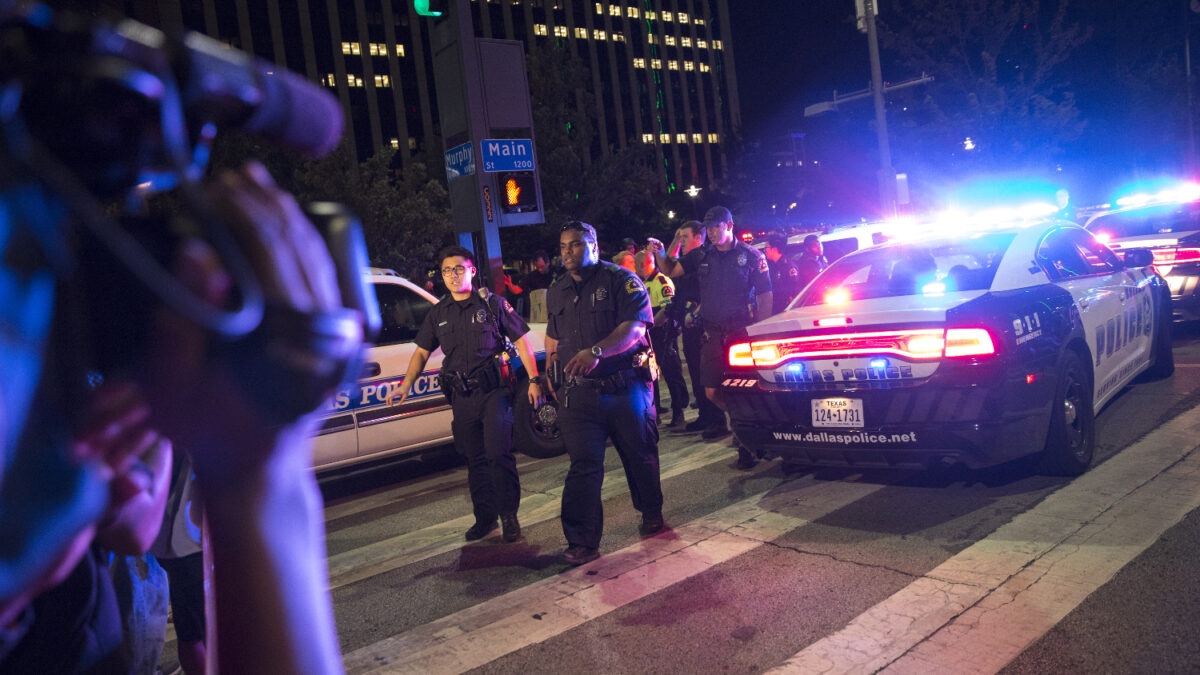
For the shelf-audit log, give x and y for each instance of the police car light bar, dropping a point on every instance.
(1176, 194)
(917, 344)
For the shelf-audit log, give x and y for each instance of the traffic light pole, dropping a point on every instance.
(887, 174)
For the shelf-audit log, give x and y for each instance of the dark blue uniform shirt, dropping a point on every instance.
(466, 330)
(729, 282)
(581, 313)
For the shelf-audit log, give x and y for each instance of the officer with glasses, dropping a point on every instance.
(471, 327)
(596, 330)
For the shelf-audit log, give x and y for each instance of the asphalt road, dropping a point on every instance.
(810, 571)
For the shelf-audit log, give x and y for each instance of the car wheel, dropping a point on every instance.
(1162, 354)
(535, 432)
(1071, 440)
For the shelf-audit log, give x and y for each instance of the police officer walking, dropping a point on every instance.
(598, 314)
(735, 291)
(471, 328)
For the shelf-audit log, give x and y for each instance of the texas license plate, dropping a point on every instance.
(837, 412)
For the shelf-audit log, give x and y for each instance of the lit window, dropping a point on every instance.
(670, 40)
(539, 29)
(598, 34)
(346, 48)
(685, 42)
(689, 65)
(664, 138)
(355, 48)
(357, 80)
(399, 50)
(647, 138)
(717, 44)
(673, 64)
(681, 138)
(600, 9)
(649, 15)
(618, 37)
(683, 18)
(329, 79)
(374, 49)
(704, 67)
(581, 33)
(698, 22)
(382, 81)
(697, 138)
(702, 44)
(631, 12)
(653, 39)
(656, 64)
(395, 143)
(639, 63)
(714, 138)
(614, 10)
(560, 31)
(667, 16)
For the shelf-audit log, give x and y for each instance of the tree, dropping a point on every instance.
(999, 80)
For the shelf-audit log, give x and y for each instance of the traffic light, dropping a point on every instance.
(430, 7)
(518, 192)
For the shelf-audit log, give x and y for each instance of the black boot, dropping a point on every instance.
(512, 528)
(481, 529)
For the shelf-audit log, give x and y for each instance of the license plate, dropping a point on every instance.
(837, 412)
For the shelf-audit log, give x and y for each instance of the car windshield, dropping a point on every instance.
(1146, 222)
(917, 268)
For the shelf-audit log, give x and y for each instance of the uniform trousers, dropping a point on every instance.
(666, 351)
(693, 346)
(483, 433)
(587, 419)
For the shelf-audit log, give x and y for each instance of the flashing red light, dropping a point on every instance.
(830, 322)
(747, 237)
(1031, 378)
(1175, 256)
(916, 344)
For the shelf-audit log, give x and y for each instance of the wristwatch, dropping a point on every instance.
(536, 379)
(597, 352)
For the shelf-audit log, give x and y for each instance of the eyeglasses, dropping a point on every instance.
(457, 271)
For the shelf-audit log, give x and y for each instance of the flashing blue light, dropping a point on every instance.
(1159, 194)
(879, 363)
(795, 368)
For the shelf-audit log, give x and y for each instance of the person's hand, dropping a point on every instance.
(536, 397)
(401, 393)
(197, 399)
(581, 364)
(654, 245)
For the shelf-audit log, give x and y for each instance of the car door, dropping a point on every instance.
(1098, 285)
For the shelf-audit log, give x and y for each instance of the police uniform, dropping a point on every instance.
(785, 282)
(665, 339)
(729, 283)
(613, 401)
(481, 401)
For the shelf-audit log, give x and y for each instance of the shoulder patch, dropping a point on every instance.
(632, 287)
(762, 264)
(668, 291)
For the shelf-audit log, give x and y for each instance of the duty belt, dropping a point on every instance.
(482, 379)
(609, 384)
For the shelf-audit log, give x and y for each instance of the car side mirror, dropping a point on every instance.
(1138, 257)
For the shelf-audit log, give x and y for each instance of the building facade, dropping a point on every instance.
(661, 71)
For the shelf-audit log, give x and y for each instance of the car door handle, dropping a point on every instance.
(370, 369)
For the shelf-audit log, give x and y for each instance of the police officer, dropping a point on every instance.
(735, 291)
(785, 278)
(598, 314)
(811, 261)
(470, 328)
(684, 308)
(664, 336)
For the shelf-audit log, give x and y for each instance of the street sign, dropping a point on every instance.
(506, 154)
(460, 161)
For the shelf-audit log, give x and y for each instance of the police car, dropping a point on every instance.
(1167, 221)
(364, 422)
(974, 348)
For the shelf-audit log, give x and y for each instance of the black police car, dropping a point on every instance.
(977, 347)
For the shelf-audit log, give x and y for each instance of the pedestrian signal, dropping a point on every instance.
(518, 192)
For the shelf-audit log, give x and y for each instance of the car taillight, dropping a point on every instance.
(917, 344)
(1175, 256)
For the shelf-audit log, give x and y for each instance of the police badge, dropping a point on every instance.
(481, 316)
(601, 294)
(742, 259)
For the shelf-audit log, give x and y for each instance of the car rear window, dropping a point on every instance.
(1144, 222)
(918, 268)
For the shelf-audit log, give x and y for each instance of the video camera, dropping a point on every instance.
(94, 116)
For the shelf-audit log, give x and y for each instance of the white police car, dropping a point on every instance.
(1166, 221)
(973, 347)
(364, 422)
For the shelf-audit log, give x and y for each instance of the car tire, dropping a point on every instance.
(535, 432)
(1071, 440)
(1162, 354)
